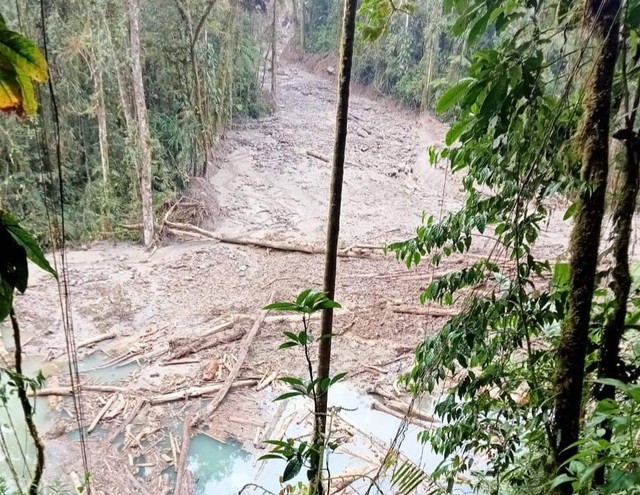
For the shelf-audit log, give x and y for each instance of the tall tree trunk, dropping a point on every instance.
(621, 277)
(601, 21)
(201, 108)
(144, 165)
(296, 18)
(333, 232)
(303, 28)
(274, 51)
(121, 76)
(103, 139)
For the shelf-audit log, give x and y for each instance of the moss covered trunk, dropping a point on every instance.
(602, 27)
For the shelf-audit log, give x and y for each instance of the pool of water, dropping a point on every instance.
(96, 367)
(13, 429)
(224, 468)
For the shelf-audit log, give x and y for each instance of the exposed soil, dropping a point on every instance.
(267, 187)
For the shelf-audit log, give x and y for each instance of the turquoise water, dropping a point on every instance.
(219, 467)
(19, 443)
(225, 468)
(92, 367)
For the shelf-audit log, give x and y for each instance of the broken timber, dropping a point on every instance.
(235, 371)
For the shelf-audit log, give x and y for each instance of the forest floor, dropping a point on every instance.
(267, 186)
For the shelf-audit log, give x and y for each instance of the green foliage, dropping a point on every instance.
(18, 245)
(323, 25)
(513, 140)
(299, 454)
(88, 37)
(621, 454)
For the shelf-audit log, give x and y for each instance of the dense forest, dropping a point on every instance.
(201, 134)
(201, 70)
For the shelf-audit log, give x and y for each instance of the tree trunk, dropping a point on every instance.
(121, 77)
(303, 20)
(201, 109)
(333, 231)
(621, 279)
(103, 139)
(601, 19)
(274, 51)
(144, 164)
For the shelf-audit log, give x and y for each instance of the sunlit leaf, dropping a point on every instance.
(453, 95)
(23, 55)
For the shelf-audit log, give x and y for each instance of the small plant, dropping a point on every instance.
(299, 454)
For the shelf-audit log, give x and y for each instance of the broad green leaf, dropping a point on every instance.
(282, 306)
(302, 297)
(292, 469)
(291, 336)
(560, 480)
(478, 29)
(270, 456)
(286, 345)
(328, 304)
(23, 55)
(570, 211)
(28, 242)
(338, 377)
(29, 100)
(614, 383)
(455, 132)
(495, 98)
(291, 380)
(287, 395)
(453, 94)
(561, 275)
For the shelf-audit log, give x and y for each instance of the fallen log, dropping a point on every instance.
(378, 406)
(351, 252)
(344, 481)
(96, 339)
(102, 412)
(193, 392)
(414, 412)
(422, 311)
(182, 481)
(140, 403)
(186, 346)
(185, 233)
(67, 390)
(267, 381)
(318, 156)
(242, 356)
(179, 362)
(246, 421)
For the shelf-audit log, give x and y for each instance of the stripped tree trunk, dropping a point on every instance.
(103, 139)
(333, 231)
(274, 51)
(601, 21)
(303, 20)
(144, 163)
